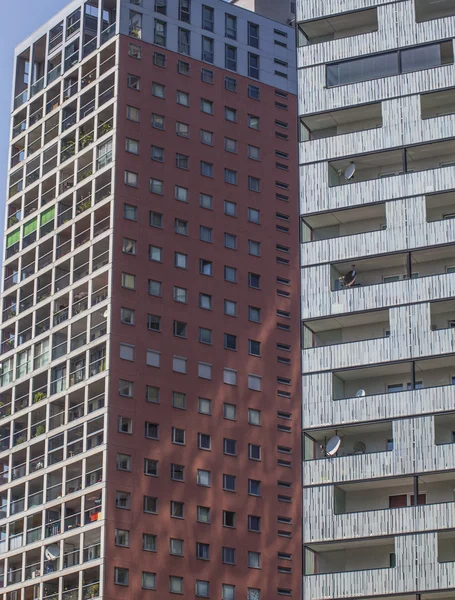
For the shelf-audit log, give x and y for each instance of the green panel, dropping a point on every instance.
(13, 238)
(30, 227)
(47, 215)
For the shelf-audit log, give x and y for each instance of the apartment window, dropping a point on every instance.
(254, 452)
(230, 176)
(127, 316)
(177, 509)
(149, 542)
(205, 301)
(230, 58)
(131, 179)
(203, 478)
(254, 348)
(130, 212)
(203, 514)
(207, 106)
(230, 341)
(152, 394)
(230, 114)
(179, 364)
(254, 487)
(179, 400)
(125, 388)
(207, 18)
(254, 184)
(230, 308)
(205, 267)
(180, 294)
(230, 447)
(154, 287)
(155, 253)
(184, 10)
(254, 416)
(182, 161)
(253, 122)
(228, 518)
(206, 169)
(126, 352)
(254, 314)
(230, 209)
(123, 500)
(157, 154)
(230, 29)
(148, 580)
(128, 246)
(205, 201)
(121, 576)
(230, 241)
(180, 329)
(254, 215)
(129, 281)
(176, 583)
(253, 35)
(254, 523)
(254, 280)
(134, 82)
(177, 472)
(159, 59)
(230, 274)
(125, 425)
(160, 6)
(183, 98)
(202, 551)
(230, 84)
(253, 65)
(123, 462)
(230, 145)
(156, 219)
(229, 411)
(181, 193)
(152, 431)
(132, 146)
(204, 370)
(178, 436)
(150, 504)
(202, 589)
(254, 152)
(184, 41)
(207, 76)
(207, 50)
(254, 92)
(183, 67)
(204, 406)
(176, 547)
(206, 137)
(254, 560)
(181, 226)
(254, 248)
(159, 34)
(153, 358)
(204, 441)
(133, 114)
(205, 335)
(182, 129)
(228, 556)
(230, 376)
(134, 51)
(157, 121)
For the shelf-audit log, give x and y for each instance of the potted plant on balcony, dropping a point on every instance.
(93, 590)
(38, 396)
(40, 429)
(20, 440)
(11, 313)
(105, 127)
(135, 32)
(86, 140)
(12, 221)
(83, 205)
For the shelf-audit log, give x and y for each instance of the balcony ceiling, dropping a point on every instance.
(366, 318)
(373, 211)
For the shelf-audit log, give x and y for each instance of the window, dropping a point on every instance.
(180, 329)
(207, 76)
(183, 98)
(151, 431)
(254, 248)
(230, 376)
(254, 523)
(207, 106)
(178, 436)
(176, 547)
(135, 51)
(253, 35)
(228, 556)
(149, 542)
(157, 154)
(160, 6)
(132, 113)
(203, 477)
(121, 576)
(228, 518)
(230, 308)
(180, 294)
(230, 27)
(205, 301)
(204, 370)
(254, 487)
(254, 92)
(254, 416)
(204, 441)
(182, 161)
(123, 462)
(202, 551)
(204, 406)
(157, 121)
(230, 114)
(206, 169)
(179, 400)
(206, 137)
(155, 253)
(177, 509)
(129, 246)
(184, 41)
(254, 215)
(159, 34)
(156, 186)
(207, 18)
(123, 500)
(125, 425)
(156, 219)
(134, 82)
(148, 580)
(230, 341)
(205, 233)
(179, 364)
(181, 227)
(176, 583)
(129, 281)
(230, 447)
(207, 49)
(205, 335)
(150, 504)
(254, 314)
(131, 179)
(205, 201)
(182, 129)
(130, 212)
(202, 589)
(254, 560)
(254, 452)
(159, 59)
(181, 193)
(253, 65)
(227, 591)
(203, 514)
(184, 10)
(154, 287)
(230, 241)
(254, 280)
(205, 267)
(230, 274)
(150, 467)
(254, 184)
(177, 472)
(230, 84)
(230, 58)
(230, 176)
(253, 122)
(183, 67)
(125, 388)
(152, 394)
(132, 146)
(254, 347)
(229, 411)
(127, 316)
(126, 352)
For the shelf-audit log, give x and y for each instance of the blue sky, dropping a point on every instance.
(19, 21)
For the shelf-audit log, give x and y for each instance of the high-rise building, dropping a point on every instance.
(150, 414)
(377, 198)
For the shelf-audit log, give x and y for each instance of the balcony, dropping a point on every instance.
(337, 27)
(426, 10)
(340, 122)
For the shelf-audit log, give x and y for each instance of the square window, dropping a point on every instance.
(123, 500)
(156, 186)
(179, 364)
(206, 137)
(230, 241)
(206, 169)
(157, 154)
(179, 400)
(159, 59)
(156, 219)
(181, 227)
(205, 233)
(230, 274)
(125, 425)
(151, 431)
(158, 89)
(254, 314)
(148, 580)
(155, 253)
(254, 348)
(183, 67)
(134, 82)
(254, 215)
(123, 462)
(254, 487)
(180, 260)
(180, 329)
(183, 98)
(203, 514)
(254, 416)
(203, 477)
(228, 518)
(153, 358)
(230, 145)
(254, 382)
(157, 121)
(229, 411)
(205, 201)
(253, 122)
(150, 504)
(204, 406)
(205, 267)
(149, 542)
(204, 441)
(230, 114)
(125, 388)
(202, 589)
(131, 179)
(129, 281)
(230, 84)
(230, 376)
(228, 556)
(152, 394)
(180, 294)
(254, 452)
(130, 212)
(207, 106)
(176, 547)
(230, 308)
(254, 560)
(254, 152)
(178, 436)
(177, 472)
(133, 114)
(254, 248)
(230, 341)
(254, 523)
(175, 584)
(127, 316)
(121, 576)
(204, 370)
(254, 184)
(202, 551)
(182, 129)
(205, 301)
(181, 193)
(126, 352)
(134, 51)
(207, 75)
(177, 509)
(132, 146)
(154, 287)
(230, 176)
(205, 335)
(254, 280)
(229, 446)
(182, 161)
(230, 209)
(129, 246)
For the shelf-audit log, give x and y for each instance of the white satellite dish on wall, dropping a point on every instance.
(333, 445)
(52, 552)
(360, 393)
(349, 172)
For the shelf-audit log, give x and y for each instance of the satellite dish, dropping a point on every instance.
(333, 445)
(105, 313)
(52, 552)
(360, 393)
(349, 172)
